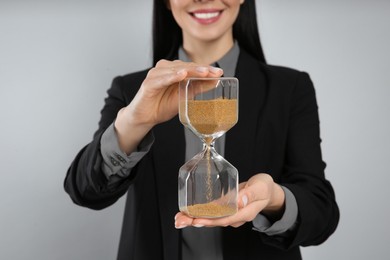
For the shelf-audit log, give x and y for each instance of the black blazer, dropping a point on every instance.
(277, 133)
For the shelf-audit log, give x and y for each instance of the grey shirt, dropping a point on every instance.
(197, 243)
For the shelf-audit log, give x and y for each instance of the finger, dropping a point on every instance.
(241, 186)
(217, 222)
(174, 63)
(252, 192)
(169, 76)
(242, 200)
(164, 67)
(244, 197)
(182, 220)
(193, 69)
(196, 70)
(177, 64)
(161, 78)
(238, 224)
(165, 74)
(215, 72)
(200, 71)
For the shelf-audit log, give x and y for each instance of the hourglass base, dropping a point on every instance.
(208, 186)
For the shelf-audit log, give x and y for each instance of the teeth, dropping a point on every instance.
(206, 15)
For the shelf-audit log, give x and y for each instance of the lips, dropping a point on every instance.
(206, 16)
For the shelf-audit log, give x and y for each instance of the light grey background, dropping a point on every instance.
(57, 59)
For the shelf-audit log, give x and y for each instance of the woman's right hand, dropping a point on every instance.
(156, 100)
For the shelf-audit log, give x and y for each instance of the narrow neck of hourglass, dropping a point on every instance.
(209, 145)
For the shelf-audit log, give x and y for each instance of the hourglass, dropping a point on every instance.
(208, 184)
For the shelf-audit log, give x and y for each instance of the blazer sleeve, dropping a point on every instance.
(303, 172)
(85, 182)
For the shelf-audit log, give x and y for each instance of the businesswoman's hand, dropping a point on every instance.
(156, 100)
(259, 194)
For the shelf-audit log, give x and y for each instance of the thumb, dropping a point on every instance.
(256, 188)
(246, 196)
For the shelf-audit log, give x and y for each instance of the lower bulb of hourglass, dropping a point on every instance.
(208, 186)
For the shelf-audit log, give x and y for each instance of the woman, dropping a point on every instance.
(284, 199)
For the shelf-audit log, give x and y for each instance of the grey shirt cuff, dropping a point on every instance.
(286, 223)
(115, 161)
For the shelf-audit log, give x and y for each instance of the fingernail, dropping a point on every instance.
(198, 225)
(215, 69)
(202, 69)
(179, 226)
(244, 200)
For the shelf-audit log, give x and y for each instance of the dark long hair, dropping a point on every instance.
(167, 35)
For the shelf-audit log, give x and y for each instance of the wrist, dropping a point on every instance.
(128, 119)
(276, 206)
(129, 130)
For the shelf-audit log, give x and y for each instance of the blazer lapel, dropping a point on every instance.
(168, 154)
(240, 140)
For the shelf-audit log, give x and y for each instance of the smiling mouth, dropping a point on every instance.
(206, 15)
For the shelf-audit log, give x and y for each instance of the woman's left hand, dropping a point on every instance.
(259, 194)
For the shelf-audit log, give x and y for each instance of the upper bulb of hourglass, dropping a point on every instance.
(209, 106)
